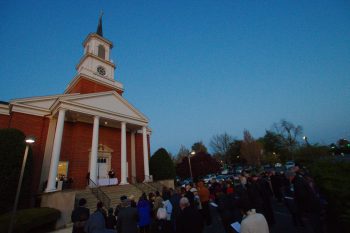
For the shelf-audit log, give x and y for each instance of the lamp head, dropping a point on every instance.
(193, 152)
(30, 139)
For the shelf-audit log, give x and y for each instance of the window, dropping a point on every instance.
(101, 51)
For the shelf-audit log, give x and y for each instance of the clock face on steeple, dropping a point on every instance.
(101, 70)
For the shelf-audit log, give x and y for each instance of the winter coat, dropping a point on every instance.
(144, 211)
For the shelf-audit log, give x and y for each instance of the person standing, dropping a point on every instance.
(204, 196)
(189, 219)
(144, 212)
(127, 218)
(161, 224)
(111, 221)
(158, 203)
(252, 222)
(175, 196)
(79, 216)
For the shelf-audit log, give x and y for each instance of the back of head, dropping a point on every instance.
(82, 202)
(244, 205)
(184, 202)
(99, 205)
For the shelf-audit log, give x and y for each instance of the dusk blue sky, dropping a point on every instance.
(194, 68)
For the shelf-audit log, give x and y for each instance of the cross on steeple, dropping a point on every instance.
(99, 26)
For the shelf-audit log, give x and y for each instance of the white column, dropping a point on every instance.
(123, 155)
(94, 151)
(51, 182)
(145, 154)
(133, 160)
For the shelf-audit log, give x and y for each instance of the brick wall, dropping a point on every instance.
(76, 146)
(4, 121)
(85, 86)
(36, 126)
(140, 174)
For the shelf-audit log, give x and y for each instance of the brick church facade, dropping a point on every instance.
(90, 128)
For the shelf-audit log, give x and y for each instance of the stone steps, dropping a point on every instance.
(114, 192)
(89, 196)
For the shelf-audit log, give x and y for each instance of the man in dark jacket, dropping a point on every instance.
(79, 216)
(127, 218)
(307, 201)
(189, 219)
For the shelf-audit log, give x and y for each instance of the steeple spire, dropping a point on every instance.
(99, 26)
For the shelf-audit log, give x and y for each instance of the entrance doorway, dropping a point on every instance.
(103, 166)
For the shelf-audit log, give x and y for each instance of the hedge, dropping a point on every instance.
(333, 179)
(31, 220)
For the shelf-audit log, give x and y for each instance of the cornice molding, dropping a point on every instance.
(87, 55)
(94, 35)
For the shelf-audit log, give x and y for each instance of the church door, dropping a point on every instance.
(102, 167)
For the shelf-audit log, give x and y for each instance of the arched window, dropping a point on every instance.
(101, 51)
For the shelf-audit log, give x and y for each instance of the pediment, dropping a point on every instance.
(45, 104)
(107, 102)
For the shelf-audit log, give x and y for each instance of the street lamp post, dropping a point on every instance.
(189, 163)
(306, 141)
(29, 140)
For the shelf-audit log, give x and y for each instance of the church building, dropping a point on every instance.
(88, 130)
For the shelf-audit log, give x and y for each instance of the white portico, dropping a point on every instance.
(94, 108)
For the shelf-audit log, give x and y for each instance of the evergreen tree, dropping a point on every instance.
(161, 165)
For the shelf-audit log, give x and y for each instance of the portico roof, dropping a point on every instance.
(107, 105)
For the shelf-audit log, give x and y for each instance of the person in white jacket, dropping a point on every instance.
(167, 205)
(252, 222)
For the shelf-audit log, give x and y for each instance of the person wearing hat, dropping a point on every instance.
(127, 217)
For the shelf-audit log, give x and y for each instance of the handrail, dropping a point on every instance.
(99, 194)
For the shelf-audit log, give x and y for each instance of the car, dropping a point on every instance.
(221, 178)
(186, 181)
(238, 170)
(208, 178)
(289, 165)
(278, 165)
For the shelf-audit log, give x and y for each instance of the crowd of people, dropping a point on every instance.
(187, 209)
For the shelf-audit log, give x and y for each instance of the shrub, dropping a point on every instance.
(31, 220)
(161, 165)
(333, 179)
(12, 148)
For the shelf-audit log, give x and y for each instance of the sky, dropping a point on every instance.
(194, 68)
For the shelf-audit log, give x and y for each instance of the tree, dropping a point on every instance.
(12, 147)
(234, 152)
(183, 152)
(251, 150)
(199, 147)
(274, 147)
(161, 165)
(220, 145)
(201, 164)
(272, 142)
(289, 133)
